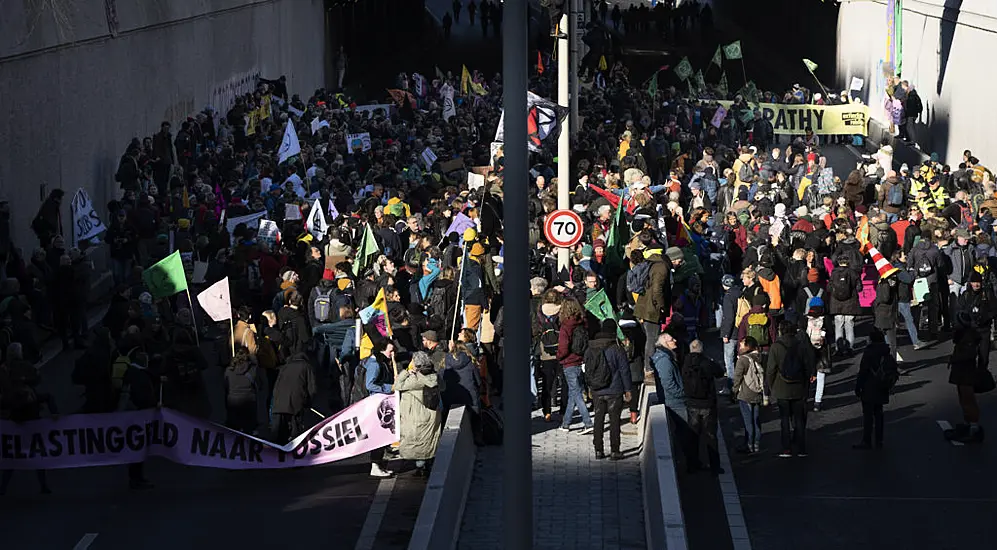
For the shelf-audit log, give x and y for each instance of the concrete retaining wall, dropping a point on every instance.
(79, 80)
(663, 519)
(442, 508)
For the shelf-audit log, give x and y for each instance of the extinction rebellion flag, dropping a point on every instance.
(543, 123)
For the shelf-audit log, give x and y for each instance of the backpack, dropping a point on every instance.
(742, 309)
(431, 397)
(436, 303)
(840, 288)
(884, 376)
(359, 390)
(895, 196)
(637, 278)
(598, 376)
(119, 368)
(754, 376)
(579, 341)
(811, 297)
(965, 216)
(322, 305)
(695, 384)
(791, 369)
(253, 276)
(758, 328)
(549, 335)
(815, 330)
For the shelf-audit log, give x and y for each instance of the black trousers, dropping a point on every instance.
(872, 416)
(613, 404)
(795, 411)
(285, 427)
(635, 395)
(552, 376)
(703, 430)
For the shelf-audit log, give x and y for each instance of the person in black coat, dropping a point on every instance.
(48, 222)
(292, 323)
(887, 307)
(612, 397)
(876, 377)
(699, 374)
(292, 396)
(844, 291)
(241, 388)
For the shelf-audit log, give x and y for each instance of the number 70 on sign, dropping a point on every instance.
(563, 228)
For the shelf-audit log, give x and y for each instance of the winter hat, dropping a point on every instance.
(696, 185)
(780, 210)
(883, 265)
(587, 251)
(431, 336)
(813, 275)
(477, 250)
(674, 253)
(801, 211)
(976, 277)
(727, 281)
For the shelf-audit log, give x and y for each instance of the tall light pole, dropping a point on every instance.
(564, 139)
(575, 32)
(517, 527)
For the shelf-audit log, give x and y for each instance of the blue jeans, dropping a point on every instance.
(751, 414)
(730, 356)
(573, 375)
(905, 312)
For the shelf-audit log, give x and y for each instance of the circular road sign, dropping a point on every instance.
(563, 228)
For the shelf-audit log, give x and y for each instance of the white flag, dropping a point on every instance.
(317, 225)
(449, 108)
(216, 301)
(86, 223)
(289, 146)
(333, 213)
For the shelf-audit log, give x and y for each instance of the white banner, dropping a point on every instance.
(86, 223)
(252, 221)
(358, 142)
(449, 107)
(475, 181)
(368, 110)
(317, 125)
(268, 232)
(429, 157)
(217, 301)
(292, 212)
(289, 146)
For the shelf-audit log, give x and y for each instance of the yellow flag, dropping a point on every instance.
(381, 304)
(465, 78)
(602, 63)
(478, 88)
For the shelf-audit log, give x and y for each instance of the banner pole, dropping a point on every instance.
(231, 327)
(460, 277)
(744, 72)
(193, 318)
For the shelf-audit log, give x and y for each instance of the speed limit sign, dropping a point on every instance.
(563, 228)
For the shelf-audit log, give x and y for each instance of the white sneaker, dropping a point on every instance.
(377, 471)
(586, 431)
(565, 430)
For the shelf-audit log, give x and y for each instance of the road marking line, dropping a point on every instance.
(871, 498)
(944, 425)
(86, 541)
(732, 499)
(375, 514)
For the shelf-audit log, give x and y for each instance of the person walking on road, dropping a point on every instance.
(749, 386)
(419, 391)
(472, 8)
(572, 342)
(877, 376)
(456, 11)
(966, 375)
(293, 395)
(608, 376)
(728, 328)
(790, 370)
(699, 375)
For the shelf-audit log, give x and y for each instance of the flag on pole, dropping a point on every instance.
(722, 86)
(540, 63)
(733, 50)
(366, 249)
(380, 304)
(717, 58)
(317, 225)
(700, 81)
(216, 301)
(684, 69)
(811, 66)
(652, 88)
(440, 75)
(289, 146)
(692, 91)
(333, 212)
(615, 252)
(600, 308)
(465, 79)
(602, 63)
(166, 277)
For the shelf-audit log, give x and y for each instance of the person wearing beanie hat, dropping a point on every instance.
(419, 412)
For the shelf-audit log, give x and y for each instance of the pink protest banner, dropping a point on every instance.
(870, 278)
(109, 439)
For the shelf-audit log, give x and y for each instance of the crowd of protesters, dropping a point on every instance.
(693, 234)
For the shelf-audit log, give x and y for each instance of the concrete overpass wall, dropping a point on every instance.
(948, 56)
(79, 79)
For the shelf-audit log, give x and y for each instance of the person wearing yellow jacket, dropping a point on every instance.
(933, 195)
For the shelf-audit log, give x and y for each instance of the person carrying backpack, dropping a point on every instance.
(789, 371)
(749, 386)
(699, 374)
(419, 388)
(844, 304)
(876, 378)
(572, 343)
(758, 324)
(546, 331)
(607, 374)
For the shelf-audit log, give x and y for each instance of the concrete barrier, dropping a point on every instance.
(664, 522)
(442, 508)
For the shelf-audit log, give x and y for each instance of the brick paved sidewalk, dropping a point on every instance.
(579, 502)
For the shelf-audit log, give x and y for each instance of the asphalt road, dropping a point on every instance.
(200, 507)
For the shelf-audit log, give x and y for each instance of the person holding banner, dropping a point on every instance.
(21, 401)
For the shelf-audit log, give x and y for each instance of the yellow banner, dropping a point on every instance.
(827, 121)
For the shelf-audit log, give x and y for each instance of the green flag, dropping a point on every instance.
(811, 66)
(718, 58)
(166, 277)
(722, 86)
(599, 306)
(684, 69)
(733, 50)
(652, 88)
(615, 241)
(366, 249)
(700, 81)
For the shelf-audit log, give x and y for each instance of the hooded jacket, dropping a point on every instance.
(670, 389)
(565, 355)
(655, 303)
(850, 305)
(780, 388)
(616, 360)
(241, 383)
(962, 259)
(462, 381)
(295, 387)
